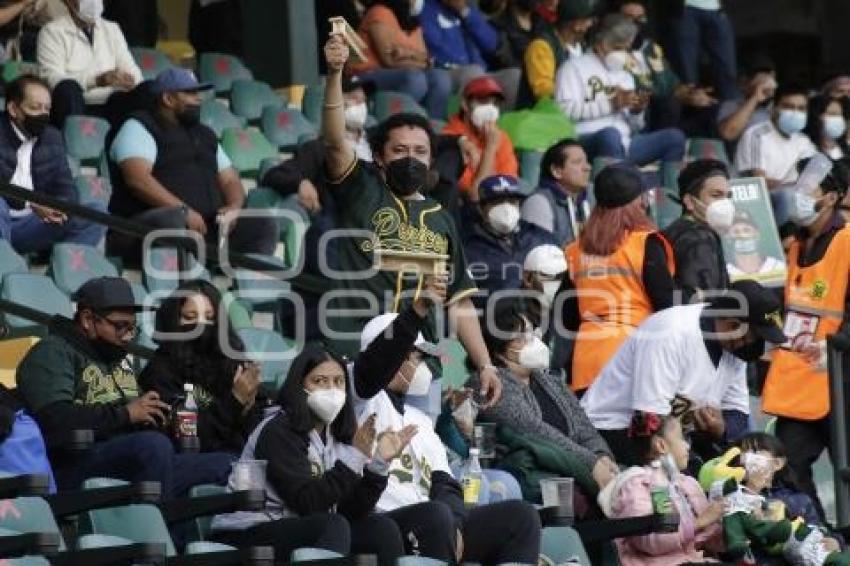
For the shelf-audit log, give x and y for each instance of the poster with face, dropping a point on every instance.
(752, 246)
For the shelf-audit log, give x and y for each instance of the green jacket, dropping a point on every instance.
(531, 459)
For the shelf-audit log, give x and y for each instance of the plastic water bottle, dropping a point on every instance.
(472, 478)
(815, 172)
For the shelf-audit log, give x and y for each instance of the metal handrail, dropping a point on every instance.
(837, 346)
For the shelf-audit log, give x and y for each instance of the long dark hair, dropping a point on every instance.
(814, 124)
(293, 399)
(206, 366)
(401, 10)
(509, 318)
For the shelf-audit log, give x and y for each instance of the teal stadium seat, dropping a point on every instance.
(220, 70)
(246, 148)
(310, 554)
(387, 103)
(286, 128)
(562, 545)
(10, 261)
(529, 166)
(267, 165)
(161, 267)
(707, 148)
(92, 190)
(85, 137)
(71, 265)
(37, 292)
(261, 343)
(311, 103)
(248, 99)
(216, 116)
(150, 61)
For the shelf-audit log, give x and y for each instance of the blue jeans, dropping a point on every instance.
(145, 456)
(430, 87)
(31, 234)
(666, 145)
(710, 30)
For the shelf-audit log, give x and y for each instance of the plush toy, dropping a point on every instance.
(749, 523)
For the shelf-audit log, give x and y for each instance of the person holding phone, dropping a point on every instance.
(194, 343)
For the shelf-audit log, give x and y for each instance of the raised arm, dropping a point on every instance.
(340, 155)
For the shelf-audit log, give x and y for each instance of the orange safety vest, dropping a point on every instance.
(814, 308)
(611, 300)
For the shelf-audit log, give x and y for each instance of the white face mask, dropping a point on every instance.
(326, 403)
(616, 60)
(416, 7)
(465, 414)
(534, 355)
(803, 211)
(720, 214)
(834, 126)
(483, 114)
(90, 10)
(420, 383)
(504, 218)
(550, 288)
(355, 116)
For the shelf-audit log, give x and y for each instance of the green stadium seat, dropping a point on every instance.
(562, 545)
(92, 190)
(309, 554)
(238, 311)
(248, 99)
(71, 265)
(28, 561)
(216, 116)
(453, 360)
(28, 515)
(10, 261)
(666, 205)
(246, 148)
(161, 267)
(311, 103)
(263, 291)
(419, 561)
(261, 343)
(150, 61)
(387, 103)
(73, 165)
(220, 70)
(138, 523)
(291, 231)
(37, 292)
(286, 128)
(707, 148)
(85, 137)
(201, 525)
(529, 166)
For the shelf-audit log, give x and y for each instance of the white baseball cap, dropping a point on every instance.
(380, 323)
(546, 259)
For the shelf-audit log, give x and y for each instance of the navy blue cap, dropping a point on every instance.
(501, 186)
(177, 79)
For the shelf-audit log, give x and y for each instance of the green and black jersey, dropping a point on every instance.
(366, 205)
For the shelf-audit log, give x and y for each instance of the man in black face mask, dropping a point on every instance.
(690, 360)
(79, 378)
(169, 172)
(387, 205)
(32, 156)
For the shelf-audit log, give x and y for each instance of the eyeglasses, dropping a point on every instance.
(121, 327)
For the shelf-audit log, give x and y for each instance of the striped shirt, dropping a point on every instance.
(763, 147)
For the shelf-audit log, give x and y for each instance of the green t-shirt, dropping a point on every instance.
(365, 203)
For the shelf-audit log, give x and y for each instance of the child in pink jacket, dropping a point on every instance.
(660, 442)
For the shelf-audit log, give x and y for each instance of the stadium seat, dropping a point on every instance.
(166, 264)
(92, 190)
(291, 231)
(437, 125)
(309, 554)
(216, 116)
(260, 343)
(85, 137)
(263, 291)
(286, 128)
(10, 261)
(71, 265)
(73, 165)
(311, 103)
(707, 148)
(419, 561)
(562, 545)
(138, 523)
(248, 99)
(220, 70)
(247, 147)
(150, 61)
(201, 525)
(29, 515)
(389, 102)
(36, 292)
(453, 359)
(529, 166)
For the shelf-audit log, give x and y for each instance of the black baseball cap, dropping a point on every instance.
(106, 294)
(762, 307)
(617, 185)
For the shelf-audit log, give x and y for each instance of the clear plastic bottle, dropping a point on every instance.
(472, 478)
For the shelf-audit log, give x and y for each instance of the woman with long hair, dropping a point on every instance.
(397, 57)
(826, 125)
(620, 272)
(324, 474)
(194, 338)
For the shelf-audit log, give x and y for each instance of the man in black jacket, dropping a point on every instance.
(707, 211)
(32, 156)
(170, 173)
(80, 378)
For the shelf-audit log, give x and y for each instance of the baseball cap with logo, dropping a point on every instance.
(501, 186)
(177, 79)
(762, 309)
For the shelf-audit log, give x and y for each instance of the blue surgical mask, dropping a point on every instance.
(834, 126)
(791, 121)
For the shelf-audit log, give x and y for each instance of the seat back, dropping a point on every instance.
(10, 261)
(248, 99)
(138, 523)
(220, 70)
(529, 166)
(85, 137)
(216, 116)
(261, 344)
(201, 525)
(28, 515)
(707, 148)
(311, 103)
(286, 128)
(150, 61)
(92, 190)
(246, 148)
(562, 545)
(262, 288)
(162, 266)
(267, 165)
(71, 265)
(388, 102)
(37, 292)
